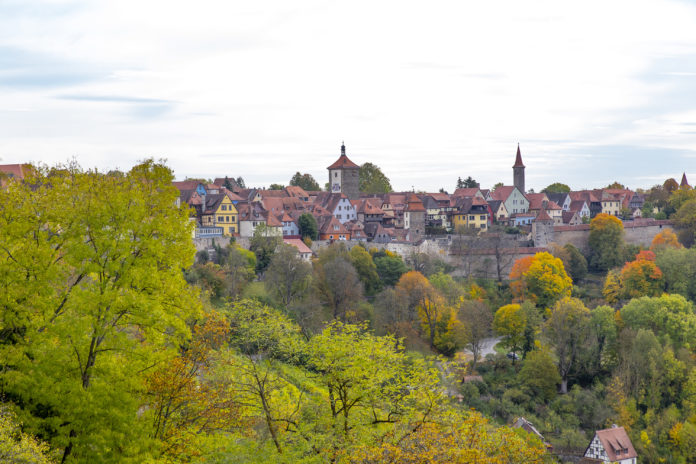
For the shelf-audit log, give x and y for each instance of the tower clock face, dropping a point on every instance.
(336, 187)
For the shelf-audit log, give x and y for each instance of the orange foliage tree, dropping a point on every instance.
(665, 239)
(642, 277)
(517, 283)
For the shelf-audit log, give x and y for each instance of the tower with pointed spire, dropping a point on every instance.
(518, 171)
(344, 176)
(684, 182)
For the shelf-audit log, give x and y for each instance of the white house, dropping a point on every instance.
(612, 446)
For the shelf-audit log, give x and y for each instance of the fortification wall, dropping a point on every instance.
(639, 232)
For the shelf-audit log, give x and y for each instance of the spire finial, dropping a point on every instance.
(343, 147)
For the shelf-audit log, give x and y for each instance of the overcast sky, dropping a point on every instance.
(594, 91)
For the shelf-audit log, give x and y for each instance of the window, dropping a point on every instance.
(224, 207)
(335, 175)
(471, 218)
(227, 218)
(483, 218)
(335, 227)
(221, 218)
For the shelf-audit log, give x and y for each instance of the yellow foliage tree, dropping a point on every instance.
(541, 278)
(510, 322)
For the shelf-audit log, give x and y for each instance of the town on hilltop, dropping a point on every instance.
(224, 208)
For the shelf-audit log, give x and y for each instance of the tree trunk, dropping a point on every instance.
(564, 386)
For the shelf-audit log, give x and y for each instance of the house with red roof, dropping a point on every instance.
(330, 228)
(612, 446)
(337, 204)
(514, 199)
(302, 249)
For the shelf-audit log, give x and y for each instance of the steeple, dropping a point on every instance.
(684, 182)
(518, 159)
(518, 171)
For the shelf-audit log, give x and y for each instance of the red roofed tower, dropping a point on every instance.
(684, 182)
(344, 176)
(518, 171)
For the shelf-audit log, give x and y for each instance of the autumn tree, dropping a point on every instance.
(305, 181)
(366, 269)
(288, 276)
(373, 180)
(541, 278)
(665, 239)
(509, 322)
(641, 277)
(90, 266)
(566, 331)
(17, 447)
(606, 241)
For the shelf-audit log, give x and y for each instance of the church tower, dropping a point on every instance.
(518, 171)
(344, 176)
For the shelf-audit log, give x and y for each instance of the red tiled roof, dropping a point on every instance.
(465, 192)
(503, 192)
(543, 216)
(616, 439)
(15, 171)
(536, 200)
(518, 159)
(414, 204)
(343, 163)
(297, 243)
(552, 205)
(185, 184)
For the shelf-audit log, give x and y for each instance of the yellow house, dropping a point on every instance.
(221, 212)
(472, 213)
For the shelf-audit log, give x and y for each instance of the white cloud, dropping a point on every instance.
(426, 91)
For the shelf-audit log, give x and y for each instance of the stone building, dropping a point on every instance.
(542, 229)
(518, 171)
(344, 176)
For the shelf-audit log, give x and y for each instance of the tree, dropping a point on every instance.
(566, 331)
(670, 316)
(337, 283)
(308, 226)
(509, 322)
(616, 185)
(288, 276)
(17, 447)
(240, 182)
(390, 268)
(373, 180)
(577, 264)
(556, 187)
(276, 187)
(546, 280)
(685, 223)
(91, 267)
(498, 184)
(469, 182)
(305, 181)
(641, 277)
(366, 268)
(670, 185)
(263, 243)
(539, 373)
(541, 278)
(606, 241)
(678, 267)
(613, 290)
(663, 240)
(477, 319)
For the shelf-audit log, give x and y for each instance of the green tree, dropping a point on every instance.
(678, 267)
(308, 226)
(288, 276)
(373, 180)
(93, 296)
(276, 187)
(539, 373)
(469, 182)
(670, 317)
(510, 322)
(366, 268)
(264, 244)
(615, 185)
(240, 182)
(556, 187)
(685, 223)
(390, 268)
(337, 283)
(477, 318)
(566, 331)
(305, 181)
(577, 264)
(606, 242)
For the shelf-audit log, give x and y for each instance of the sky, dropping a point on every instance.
(593, 91)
